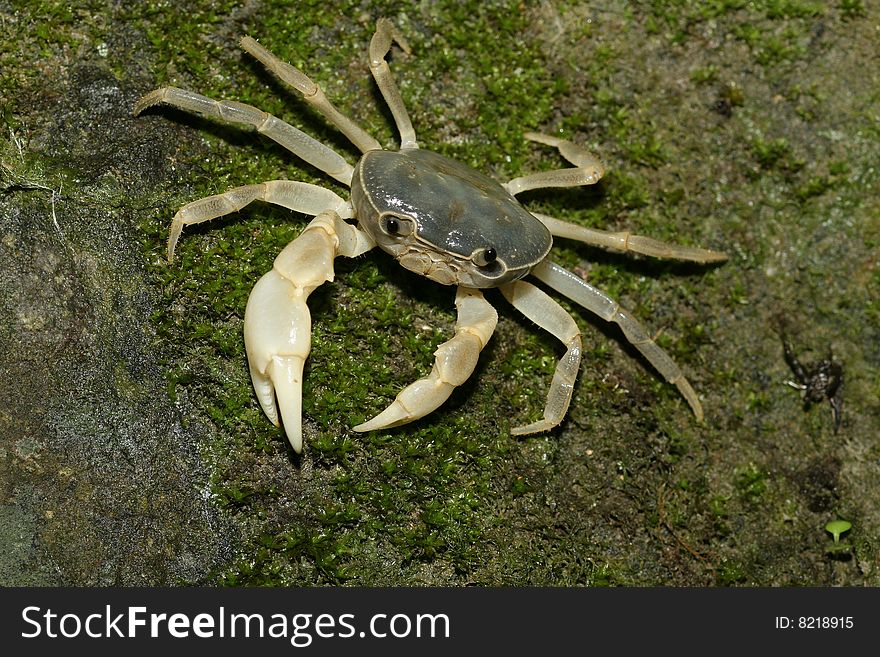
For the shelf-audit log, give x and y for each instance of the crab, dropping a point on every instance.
(816, 381)
(438, 218)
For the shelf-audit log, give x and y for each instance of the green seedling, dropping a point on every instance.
(837, 527)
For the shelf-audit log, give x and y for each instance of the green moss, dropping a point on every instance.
(704, 75)
(751, 483)
(270, 564)
(719, 508)
(782, 9)
(729, 573)
(852, 9)
(771, 153)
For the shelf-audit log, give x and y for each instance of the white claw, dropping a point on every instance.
(454, 362)
(277, 337)
(277, 322)
(287, 376)
(415, 401)
(278, 325)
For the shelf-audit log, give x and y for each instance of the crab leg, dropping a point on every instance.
(626, 241)
(311, 93)
(577, 155)
(550, 316)
(277, 323)
(587, 167)
(296, 196)
(598, 302)
(380, 44)
(293, 139)
(454, 363)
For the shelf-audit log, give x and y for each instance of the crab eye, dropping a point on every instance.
(484, 257)
(394, 225)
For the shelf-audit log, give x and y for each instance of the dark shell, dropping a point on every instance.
(455, 208)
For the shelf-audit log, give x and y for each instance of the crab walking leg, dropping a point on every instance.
(626, 241)
(380, 44)
(296, 196)
(312, 94)
(588, 169)
(293, 139)
(577, 155)
(598, 302)
(277, 322)
(455, 362)
(550, 316)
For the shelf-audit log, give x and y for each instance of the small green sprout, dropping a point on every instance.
(837, 527)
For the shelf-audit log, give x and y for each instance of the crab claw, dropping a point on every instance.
(454, 362)
(278, 325)
(278, 338)
(277, 322)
